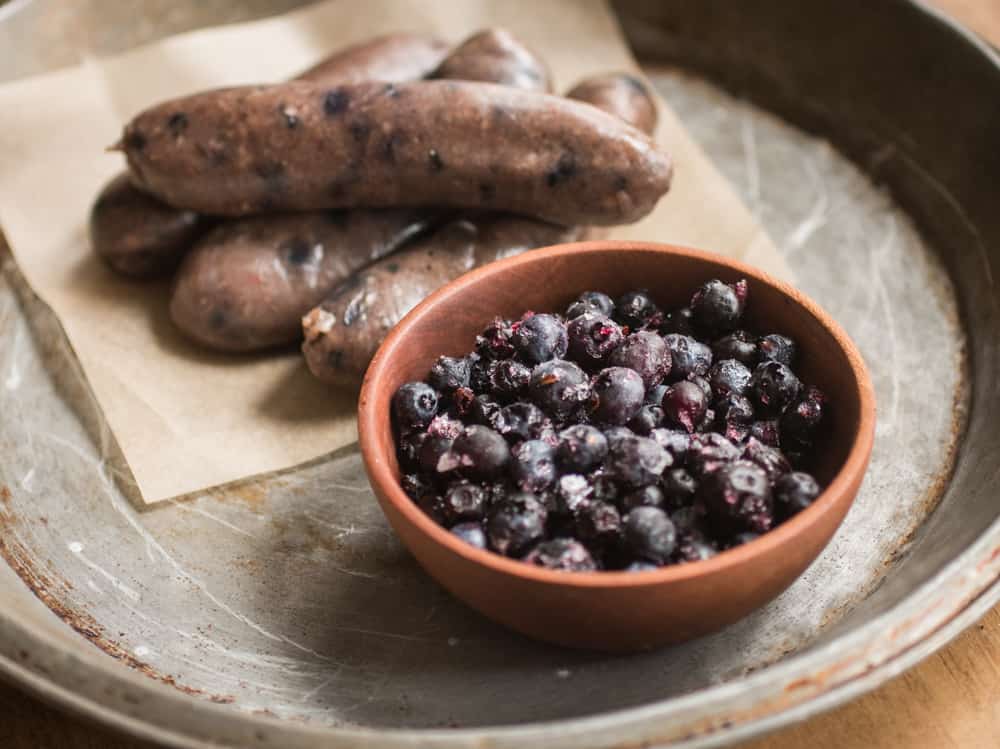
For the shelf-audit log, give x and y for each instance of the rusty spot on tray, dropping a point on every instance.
(4, 495)
(46, 590)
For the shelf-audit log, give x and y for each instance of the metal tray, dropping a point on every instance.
(283, 613)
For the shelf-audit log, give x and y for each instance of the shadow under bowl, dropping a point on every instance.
(619, 611)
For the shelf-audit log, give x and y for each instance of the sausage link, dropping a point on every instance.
(138, 235)
(343, 333)
(496, 56)
(453, 143)
(245, 284)
(622, 95)
(143, 237)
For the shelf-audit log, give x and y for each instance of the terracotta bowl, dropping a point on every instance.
(618, 611)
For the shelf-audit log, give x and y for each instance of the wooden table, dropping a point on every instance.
(951, 700)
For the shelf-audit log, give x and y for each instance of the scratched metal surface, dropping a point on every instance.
(283, 612)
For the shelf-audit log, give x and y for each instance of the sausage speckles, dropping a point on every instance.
(389, 145)
(355, 309)
(434, 159)
(335, 102)
(290, 115)
(621, 183)
(360, 129)
(391, 91)
(564, 169)
(217, 320)
(177, 123)
(273, 173)
(392, 267)
(487, 192)
(135, 140)
(500, 113)
(298, 251)
(335, 359)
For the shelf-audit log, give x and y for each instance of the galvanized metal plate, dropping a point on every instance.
(284, 613)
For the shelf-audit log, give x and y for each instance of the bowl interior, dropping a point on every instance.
(547, 280)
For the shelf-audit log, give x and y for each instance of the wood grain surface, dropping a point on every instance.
(950, 701)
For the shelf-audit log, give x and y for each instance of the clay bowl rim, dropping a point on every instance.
(370, 421)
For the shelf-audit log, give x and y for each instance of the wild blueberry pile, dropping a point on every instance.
(614, 436)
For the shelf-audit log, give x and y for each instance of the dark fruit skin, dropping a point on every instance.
(443, 425)
(599, 523)
(637, 310)
(573, 493)
(695, 551)
(464, 501)
(581, 448)
(767, 431)
(679, 321)
(646, 496)
(533, 465)
(728, 376)
(620, 393)
(739, 345)
(679, 488)
(415, 486)
(522, 421)
(414, 405)
(646, 420)
(703, 383)
(408, 451)
(646, 353)
(605, 487)
(450, 373)
(775, 347)
(557, 386)
(563, 554)
(485, 410)
(684, 404)
(637, 461)
(655, 394)
(687, 356)
(539, 338)
(717, 307)
(471, 533)
(641, 565)
(774, 386)
(674, 441)
(710, 451)
(800, 421)
(592, 337)
(494, 341)
(479, 452)
(433, 455)
(794, 492)
(516, 523)
(508, 378)
(771, 459)
(591, 301)
(737, 498)
(649, 534)
(744, 538)
(615, 434)
(733, 409)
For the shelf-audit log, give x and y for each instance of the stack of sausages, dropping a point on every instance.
(323, 209)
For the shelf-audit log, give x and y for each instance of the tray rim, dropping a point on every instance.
(924, 622)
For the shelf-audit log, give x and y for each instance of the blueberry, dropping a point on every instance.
(771, 459)
(616, 434)
(703, 383)
(637, 310)
(515, 524)
(799, 423)
(408, 451)
(564, 554)
(767, 431)
(739, 345)
(443, 425)
(450, 373)
(679, 321)
(646, 419)
(674, 441)
(479, 452)
(688, 356)
(679, 487)
(695, 551)
(605, 488)
(707, 423)
(471, 533)
(649, 534)
(464, 501)
(794, 492)
(641, 565)
(685, 404)
(494, 342)
(655, 394)
(774, 386)
(645, 352)
(485, 410)
(432, 504)
(744, 538)
(533, 465)
(434, 455)
(522, 421)
(637, 461)
(581, 448)
(415, 486)
(710, 451)
(717, 306)
(573, 493)
(557, 386)
(599, 523)
(414, 405)
(508, 378)
(737, 497)
(732, 410)
(539, 338)
(619, 394)
(689, 524)
(591, 301)
(775, 347)
(728, 376)
(644, 496)
(592, 337)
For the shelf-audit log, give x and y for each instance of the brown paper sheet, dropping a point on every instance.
(187, 420)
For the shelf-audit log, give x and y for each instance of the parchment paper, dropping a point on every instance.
(184, 419)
